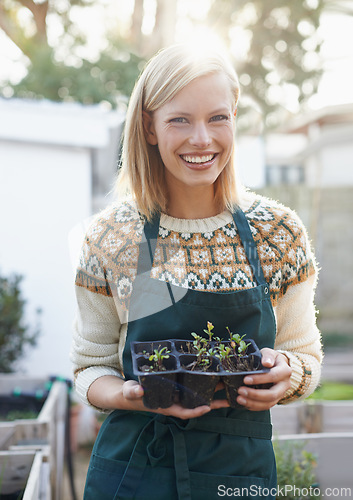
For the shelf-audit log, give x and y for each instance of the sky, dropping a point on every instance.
(337, 50)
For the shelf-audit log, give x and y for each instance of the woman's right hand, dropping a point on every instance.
(113, 393)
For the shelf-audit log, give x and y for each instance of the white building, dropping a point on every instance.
(57, 162)
(315, 149)
(315, 156)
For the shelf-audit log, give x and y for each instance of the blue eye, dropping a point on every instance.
(219, 118)
(180, 119)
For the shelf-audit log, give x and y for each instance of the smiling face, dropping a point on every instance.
(194, 132)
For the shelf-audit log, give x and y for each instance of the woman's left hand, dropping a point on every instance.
(278, 376)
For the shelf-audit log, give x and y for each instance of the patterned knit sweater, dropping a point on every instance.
(199, 254)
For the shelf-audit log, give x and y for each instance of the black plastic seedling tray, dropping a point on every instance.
(196, 388)
(189, 388)
(159, 387)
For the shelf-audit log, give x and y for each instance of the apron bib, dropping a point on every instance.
(228, 452)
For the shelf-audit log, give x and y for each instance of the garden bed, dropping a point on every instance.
(32, 449)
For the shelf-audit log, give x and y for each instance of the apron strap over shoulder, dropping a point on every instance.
(147, 250)
(249, 244)
(148, 245)
(151, 230)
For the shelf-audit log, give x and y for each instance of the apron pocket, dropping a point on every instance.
(213, 487)
(158, 483)
(104, 477)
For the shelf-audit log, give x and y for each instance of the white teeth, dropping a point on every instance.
(197, 159)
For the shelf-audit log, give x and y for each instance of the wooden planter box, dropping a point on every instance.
(312, 417)
(32, 451)
(326, 428)
(333, 452)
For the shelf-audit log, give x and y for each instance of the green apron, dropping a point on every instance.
(228, 452)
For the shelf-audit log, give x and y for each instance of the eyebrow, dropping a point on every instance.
(185, 113)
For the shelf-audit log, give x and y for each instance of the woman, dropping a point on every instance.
(189, 247)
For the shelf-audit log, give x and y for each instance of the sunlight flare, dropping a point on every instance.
(202, 40)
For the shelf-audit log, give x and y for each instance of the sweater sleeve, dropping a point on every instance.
(96, 338)
(291, 272)
(297, 334)
(102, 287)
(299, 339)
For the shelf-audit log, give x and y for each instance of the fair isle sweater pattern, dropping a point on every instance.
(208, 261)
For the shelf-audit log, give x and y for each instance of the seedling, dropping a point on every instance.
(198, 343)
(237, 342)
(224, 352)
(205, 348)
(210, 333)
(242, 347)
(194, 367)
(157, 358)
(226, 356)
(203, 360)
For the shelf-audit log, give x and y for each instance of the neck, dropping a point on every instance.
(195, 203)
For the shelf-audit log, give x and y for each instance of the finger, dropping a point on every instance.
(254, 405)
(268, 357)
(275, 391)
(219, 403)
(184, 413)
(264, 395)
(279, 372)
(132, 390)
(256, 398)
(264, 378)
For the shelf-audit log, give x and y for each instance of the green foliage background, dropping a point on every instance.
(15, 337)
(295, 466)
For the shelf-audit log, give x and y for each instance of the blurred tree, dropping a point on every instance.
(164, 29)
(275, 45)
(109, 79)
(135, 36)
(276, 50)
(28, 43)
(14, 335)
(66, 76)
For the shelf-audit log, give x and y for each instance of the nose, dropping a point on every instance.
(200, 136)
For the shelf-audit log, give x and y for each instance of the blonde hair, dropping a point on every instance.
(142, 170)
